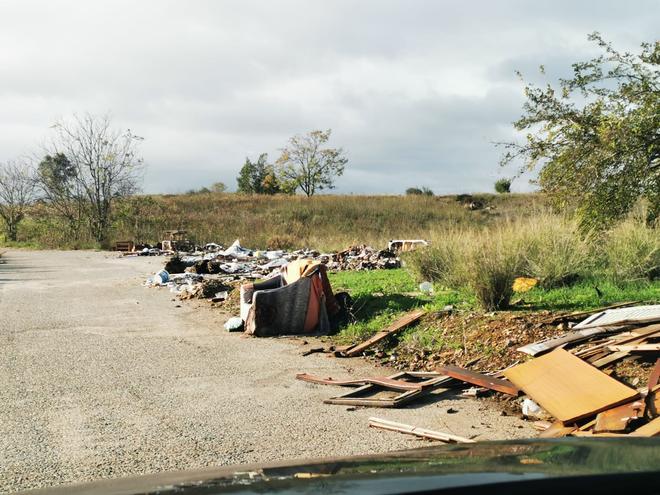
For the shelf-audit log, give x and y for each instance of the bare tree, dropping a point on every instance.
(305, 164)
(17, 192)
(104, 165)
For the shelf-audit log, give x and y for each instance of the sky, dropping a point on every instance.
(415, 91)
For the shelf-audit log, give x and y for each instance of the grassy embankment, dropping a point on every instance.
(327, 222)
(471, 268)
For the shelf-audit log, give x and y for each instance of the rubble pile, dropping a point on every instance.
(188, 271)
(567, 380)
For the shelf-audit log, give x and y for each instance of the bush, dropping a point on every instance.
(503, 186)
(556, 252)
(493, 264)
(486, 262)
(632, 251)
(416, 191)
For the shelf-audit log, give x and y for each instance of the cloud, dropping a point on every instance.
(416, 91)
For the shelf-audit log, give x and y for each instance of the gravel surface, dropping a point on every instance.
(101, 377)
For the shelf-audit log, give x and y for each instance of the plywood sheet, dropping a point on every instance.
(567, 387)
(650, 429)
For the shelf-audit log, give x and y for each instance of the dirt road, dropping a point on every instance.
(101, 377)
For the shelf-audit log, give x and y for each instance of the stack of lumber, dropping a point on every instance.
(569, 377)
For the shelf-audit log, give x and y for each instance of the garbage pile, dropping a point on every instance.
(185, 272)
(566, 384)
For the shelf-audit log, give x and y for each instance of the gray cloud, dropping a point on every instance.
(415, 91)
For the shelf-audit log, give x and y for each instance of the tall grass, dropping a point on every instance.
(487, 259)
(632, 251)
(326, 222)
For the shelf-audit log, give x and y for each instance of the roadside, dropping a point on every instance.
(101, 377)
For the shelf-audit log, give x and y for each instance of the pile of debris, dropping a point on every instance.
(185, 273)
(568, 380)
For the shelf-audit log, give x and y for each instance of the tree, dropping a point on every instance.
(218, 187)
(258, 177)
(17, 192)
(503, 186)
(306, 165)
(57, 180)
(105, 163)
(596, 139)
(414, 191)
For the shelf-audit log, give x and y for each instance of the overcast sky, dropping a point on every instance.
(414, 91)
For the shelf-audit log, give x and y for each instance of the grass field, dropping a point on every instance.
(327, 222)
(381, 296)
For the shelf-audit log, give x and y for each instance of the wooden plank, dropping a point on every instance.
(475, 378)
(394, 327)
(650, 429)
(419, 432)
(634, 348)
(383, 381)
(618, 418)
(557, 430)
(567, 387)
(368, 394)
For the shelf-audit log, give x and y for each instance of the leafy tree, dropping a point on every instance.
(503, 186)
(17, 191)
(258, 177)
(596, 138)
(306, 165)
(57, 180)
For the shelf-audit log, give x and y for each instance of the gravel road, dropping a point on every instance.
(101, 377)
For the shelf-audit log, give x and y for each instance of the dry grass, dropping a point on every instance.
(323, 222)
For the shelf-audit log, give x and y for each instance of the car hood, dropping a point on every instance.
(434, 468)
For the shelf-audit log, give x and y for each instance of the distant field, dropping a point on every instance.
(323, 222)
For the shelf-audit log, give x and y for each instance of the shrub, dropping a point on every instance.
(485, 261)
(503, 186)
(632, 251)
(413, 191)
(493, 264)
(556, 252)
(283, 241)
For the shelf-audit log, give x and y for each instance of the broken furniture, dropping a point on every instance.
(125, 246)
(176, 240)
(299, 301)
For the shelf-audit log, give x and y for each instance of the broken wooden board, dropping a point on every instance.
(557, 430)
(382, 380)
(634, 348)
(567, 387)
(419, 432)
(617, 419)
(650, 429)
(394, 327)
(475, 378)
(372, 395)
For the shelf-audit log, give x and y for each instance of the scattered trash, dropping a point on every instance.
(426, 287)
(234, 324)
